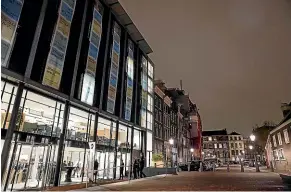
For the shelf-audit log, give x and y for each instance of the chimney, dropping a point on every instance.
(160, 84)
(286, 108)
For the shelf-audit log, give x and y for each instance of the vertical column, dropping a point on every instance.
(80, 42)
(131, 150)
(107, 44)
(11, 128)
(61, 142)
(115, 150)
(36, 39)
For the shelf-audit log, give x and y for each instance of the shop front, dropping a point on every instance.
(35, 139)
(34, 155)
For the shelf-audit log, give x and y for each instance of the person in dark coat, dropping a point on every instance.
(141, 166)
(121, 169)
(96, 164)
(135, 168)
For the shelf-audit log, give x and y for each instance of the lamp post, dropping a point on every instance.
(171, 141)
(253, 138)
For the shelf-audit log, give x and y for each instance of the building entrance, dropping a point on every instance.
(29, 167)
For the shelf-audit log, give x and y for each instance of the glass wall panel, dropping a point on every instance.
(40, 115)
(106, 133)
(6, 107)
(34, 163)
(76, 152)
(123, 154)
(136, 144)
(149, 120)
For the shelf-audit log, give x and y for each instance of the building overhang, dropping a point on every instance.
(128, 24)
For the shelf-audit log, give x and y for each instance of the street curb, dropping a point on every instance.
(106, 187)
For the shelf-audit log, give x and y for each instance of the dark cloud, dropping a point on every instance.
(234, 56)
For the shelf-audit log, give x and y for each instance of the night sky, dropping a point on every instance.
(234, 56)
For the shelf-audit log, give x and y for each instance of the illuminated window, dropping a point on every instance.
(274, 141)
(286, 136)
(279, 138)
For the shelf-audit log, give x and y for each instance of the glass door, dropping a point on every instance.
(28, 167)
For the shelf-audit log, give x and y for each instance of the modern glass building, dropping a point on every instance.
(76, 88)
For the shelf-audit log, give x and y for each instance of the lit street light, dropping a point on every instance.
(251, 147)
(192, 150)
(171, 141)
(253, 138)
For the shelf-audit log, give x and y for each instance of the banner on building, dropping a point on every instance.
(113, 78)
(129, 84)
(56, 57)
(144, 93)
(10, 14)
(88, 86)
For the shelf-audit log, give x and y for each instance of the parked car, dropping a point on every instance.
(194, 166)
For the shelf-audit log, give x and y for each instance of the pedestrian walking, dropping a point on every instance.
(96, 165)
(135, 168)
(141, 166)
(121, 170)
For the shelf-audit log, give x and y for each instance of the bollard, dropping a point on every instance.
(213, 167)
(227, 166)
(189, 167)
(201, 167)
(242, 168)
(272, 167)
(257, 167)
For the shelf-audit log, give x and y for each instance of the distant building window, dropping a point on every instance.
(274, 141)
(286, 136)
(215, 145)
(232, 152)
(240, 145)
(279, 138)
(220, 145)
(235, 145)
(275, 155)
(224, 145)
(281, 154)
(235, 138)
(231, 145)
(230, 138)
(209, 138)
(239, 138)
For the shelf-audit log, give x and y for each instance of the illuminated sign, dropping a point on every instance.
(113, 78)
(56, 57)
(10, 14)
(88, 86)
(129, 87)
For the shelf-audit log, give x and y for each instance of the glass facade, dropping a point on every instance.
(59, 119)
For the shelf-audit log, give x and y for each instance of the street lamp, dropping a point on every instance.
(251, 147)
(171, 141)
(253, 137)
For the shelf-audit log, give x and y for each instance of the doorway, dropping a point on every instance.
(29, 167)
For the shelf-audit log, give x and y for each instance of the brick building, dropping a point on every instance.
(278, 147)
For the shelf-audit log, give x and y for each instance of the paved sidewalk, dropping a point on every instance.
(109, 187)
(201, 181)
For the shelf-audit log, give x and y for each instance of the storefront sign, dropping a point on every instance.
(88, 87)
(10, 14)
(56, 57)
(129, 89)
(113, 78)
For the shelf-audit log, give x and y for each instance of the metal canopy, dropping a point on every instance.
(125, 20)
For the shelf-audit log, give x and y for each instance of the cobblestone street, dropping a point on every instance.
(209, 181)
